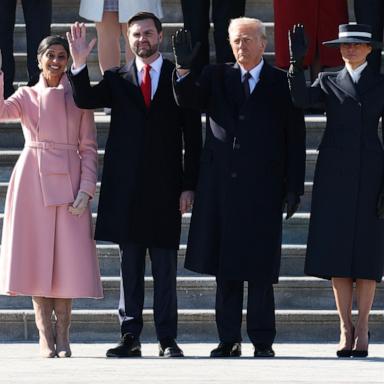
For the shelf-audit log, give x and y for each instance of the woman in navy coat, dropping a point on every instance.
(346, 231)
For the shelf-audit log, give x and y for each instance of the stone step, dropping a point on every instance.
(67, 11)
(292, 260)
(196, 292)
(169, 29)
(8, 158)
(294, 230)
(305, 204)
(12, 135)
(193, 326)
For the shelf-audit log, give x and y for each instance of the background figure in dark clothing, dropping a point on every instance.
(371, 12)
(37, 15)
(197, 20)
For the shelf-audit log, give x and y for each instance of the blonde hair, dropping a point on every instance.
(258, 24)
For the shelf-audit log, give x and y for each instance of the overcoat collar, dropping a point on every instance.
(233, 85)
(129, 73)
(344, 82)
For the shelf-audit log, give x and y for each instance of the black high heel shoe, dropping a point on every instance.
(346, 352)
(361, 352)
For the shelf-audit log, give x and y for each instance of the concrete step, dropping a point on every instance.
(8, 158)
(12, 135)
(67, 11)
(166, 46)
(193, 326)
(294, 230)
(305, 204)
(292, 260)
(93, 64)
(197, 292)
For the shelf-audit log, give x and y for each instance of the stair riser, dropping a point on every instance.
(203, 297)
(316, 328)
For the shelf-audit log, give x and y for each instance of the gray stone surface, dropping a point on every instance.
(293, 364)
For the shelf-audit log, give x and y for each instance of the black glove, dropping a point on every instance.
(297, 45)
(182, 49)
(380, 205)
(292, 200)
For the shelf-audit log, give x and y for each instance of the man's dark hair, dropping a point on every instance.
(144, 16)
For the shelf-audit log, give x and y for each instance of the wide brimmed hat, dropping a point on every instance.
(354, 33)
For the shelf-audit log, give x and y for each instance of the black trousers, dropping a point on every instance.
(261, 327)
(372, 12)
(37, 15)
(197, 20)
(164, 264)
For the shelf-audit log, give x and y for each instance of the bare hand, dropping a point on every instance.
(186, 201)
(80, 204)
(78, 45)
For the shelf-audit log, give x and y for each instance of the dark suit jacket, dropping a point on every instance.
(254, 153)
(144, 167)
(346, 239)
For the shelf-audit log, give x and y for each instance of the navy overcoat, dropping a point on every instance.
(253, 155)
(346, 238)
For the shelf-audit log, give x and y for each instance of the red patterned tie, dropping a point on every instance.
(146, 85)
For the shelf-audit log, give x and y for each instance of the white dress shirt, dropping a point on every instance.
(255, 74)
(154, 72)
(356, 73)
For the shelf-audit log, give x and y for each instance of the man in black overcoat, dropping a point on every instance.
(147, 182)
(252, 163)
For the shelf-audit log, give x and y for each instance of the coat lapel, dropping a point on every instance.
(345, 84)
(233, 87)
(368, 80)
(129, 73)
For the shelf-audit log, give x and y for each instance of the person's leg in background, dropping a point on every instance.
(38, 17)
(7, 23)
(222, 12)
(196, 20)
(372, 13)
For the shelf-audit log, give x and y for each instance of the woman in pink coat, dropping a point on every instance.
(47, 249)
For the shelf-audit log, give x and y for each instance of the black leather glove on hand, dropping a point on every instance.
(380, 205)
(297, 46)
(293, 201)
(182, 49)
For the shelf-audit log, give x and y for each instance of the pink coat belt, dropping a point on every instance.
(53, 163)
(51, 145)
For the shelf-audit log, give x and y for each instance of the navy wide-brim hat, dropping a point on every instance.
(354, 33)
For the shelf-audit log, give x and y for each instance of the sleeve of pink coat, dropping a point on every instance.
(10, 109)
(88, 153)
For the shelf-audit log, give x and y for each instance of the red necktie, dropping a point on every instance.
(146, 85)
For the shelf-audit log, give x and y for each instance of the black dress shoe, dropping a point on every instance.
(263, 350)
(169, 348)
(129, 346)
(227, 350)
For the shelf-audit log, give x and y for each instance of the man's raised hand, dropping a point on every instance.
(78, 45)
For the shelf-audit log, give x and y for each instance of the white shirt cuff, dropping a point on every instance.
(75, 71)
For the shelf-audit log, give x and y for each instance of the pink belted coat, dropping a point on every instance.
(45, 250)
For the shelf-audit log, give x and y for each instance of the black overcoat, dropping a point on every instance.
(254, 153)
(144, 168)
(346, 238)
